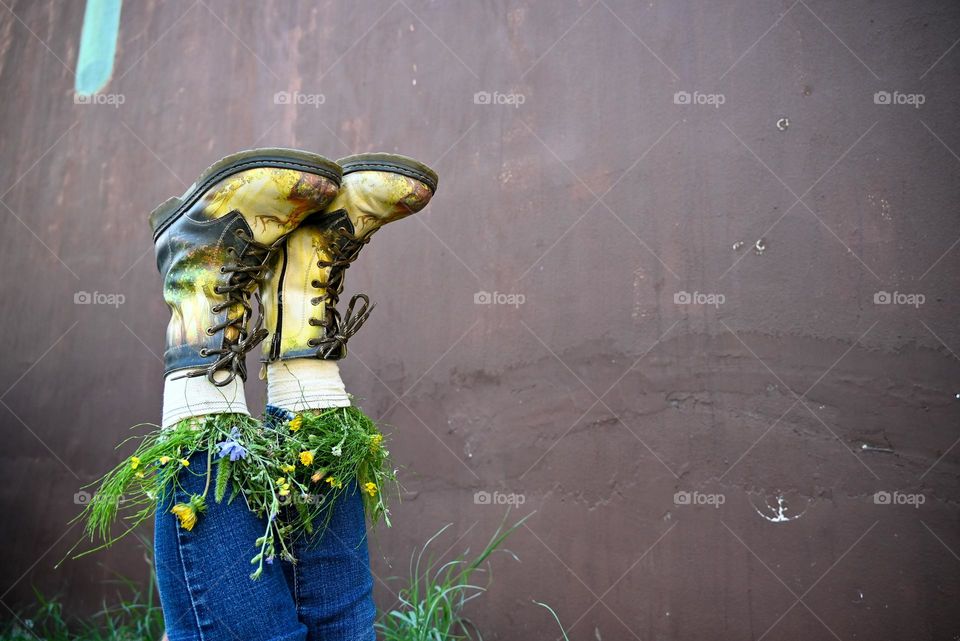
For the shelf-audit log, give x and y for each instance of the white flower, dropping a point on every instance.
(337, 451)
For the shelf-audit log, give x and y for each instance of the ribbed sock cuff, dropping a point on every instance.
(187, 397)
(305, 384)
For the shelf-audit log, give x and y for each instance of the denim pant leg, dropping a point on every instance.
(203, 574)
(331, 581)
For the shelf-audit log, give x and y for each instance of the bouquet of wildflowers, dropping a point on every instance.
(304, 462)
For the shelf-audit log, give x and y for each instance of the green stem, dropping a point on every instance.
(206, 488)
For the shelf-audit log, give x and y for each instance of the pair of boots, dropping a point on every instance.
(281, 225)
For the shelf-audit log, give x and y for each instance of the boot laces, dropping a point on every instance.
(248, 269)
(339, 329)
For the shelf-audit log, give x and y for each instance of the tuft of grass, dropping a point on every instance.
(432, 601)
(135, 616)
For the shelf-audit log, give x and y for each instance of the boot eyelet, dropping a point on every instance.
(204, 353)
(223, 269)
(210, 331)
(315, 283)
(312, 343)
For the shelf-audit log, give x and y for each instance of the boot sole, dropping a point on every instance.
(394, 163)
(167, 213)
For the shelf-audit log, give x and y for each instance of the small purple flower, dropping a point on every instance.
(269, 560)
(231, 447)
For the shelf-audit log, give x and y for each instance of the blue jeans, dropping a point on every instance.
(206, 591)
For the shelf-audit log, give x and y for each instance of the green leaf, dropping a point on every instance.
(223, 477)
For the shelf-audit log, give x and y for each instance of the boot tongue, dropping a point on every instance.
(329, 220)
(339, 218)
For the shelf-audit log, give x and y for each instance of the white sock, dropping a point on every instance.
(186, 397)
(305, 384)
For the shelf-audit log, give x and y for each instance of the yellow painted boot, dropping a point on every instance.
(303, 288)
(214, 244)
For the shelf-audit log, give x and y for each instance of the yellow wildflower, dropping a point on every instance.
(184, 462)
(306, 458)
(186, 514)
(288, 467)
(334, 481)
(139, 475)
(284, 491)
(296, 423)
(281, 480)
(370, 488)
(134, 462)
(375, 441)
(164, 460)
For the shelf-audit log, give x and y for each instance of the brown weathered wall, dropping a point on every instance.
(599, 200)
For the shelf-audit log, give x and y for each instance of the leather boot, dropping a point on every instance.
(214, 243)
(303, 288)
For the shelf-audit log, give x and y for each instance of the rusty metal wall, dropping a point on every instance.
(686, 290)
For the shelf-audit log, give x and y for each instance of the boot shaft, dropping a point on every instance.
(302, 278)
